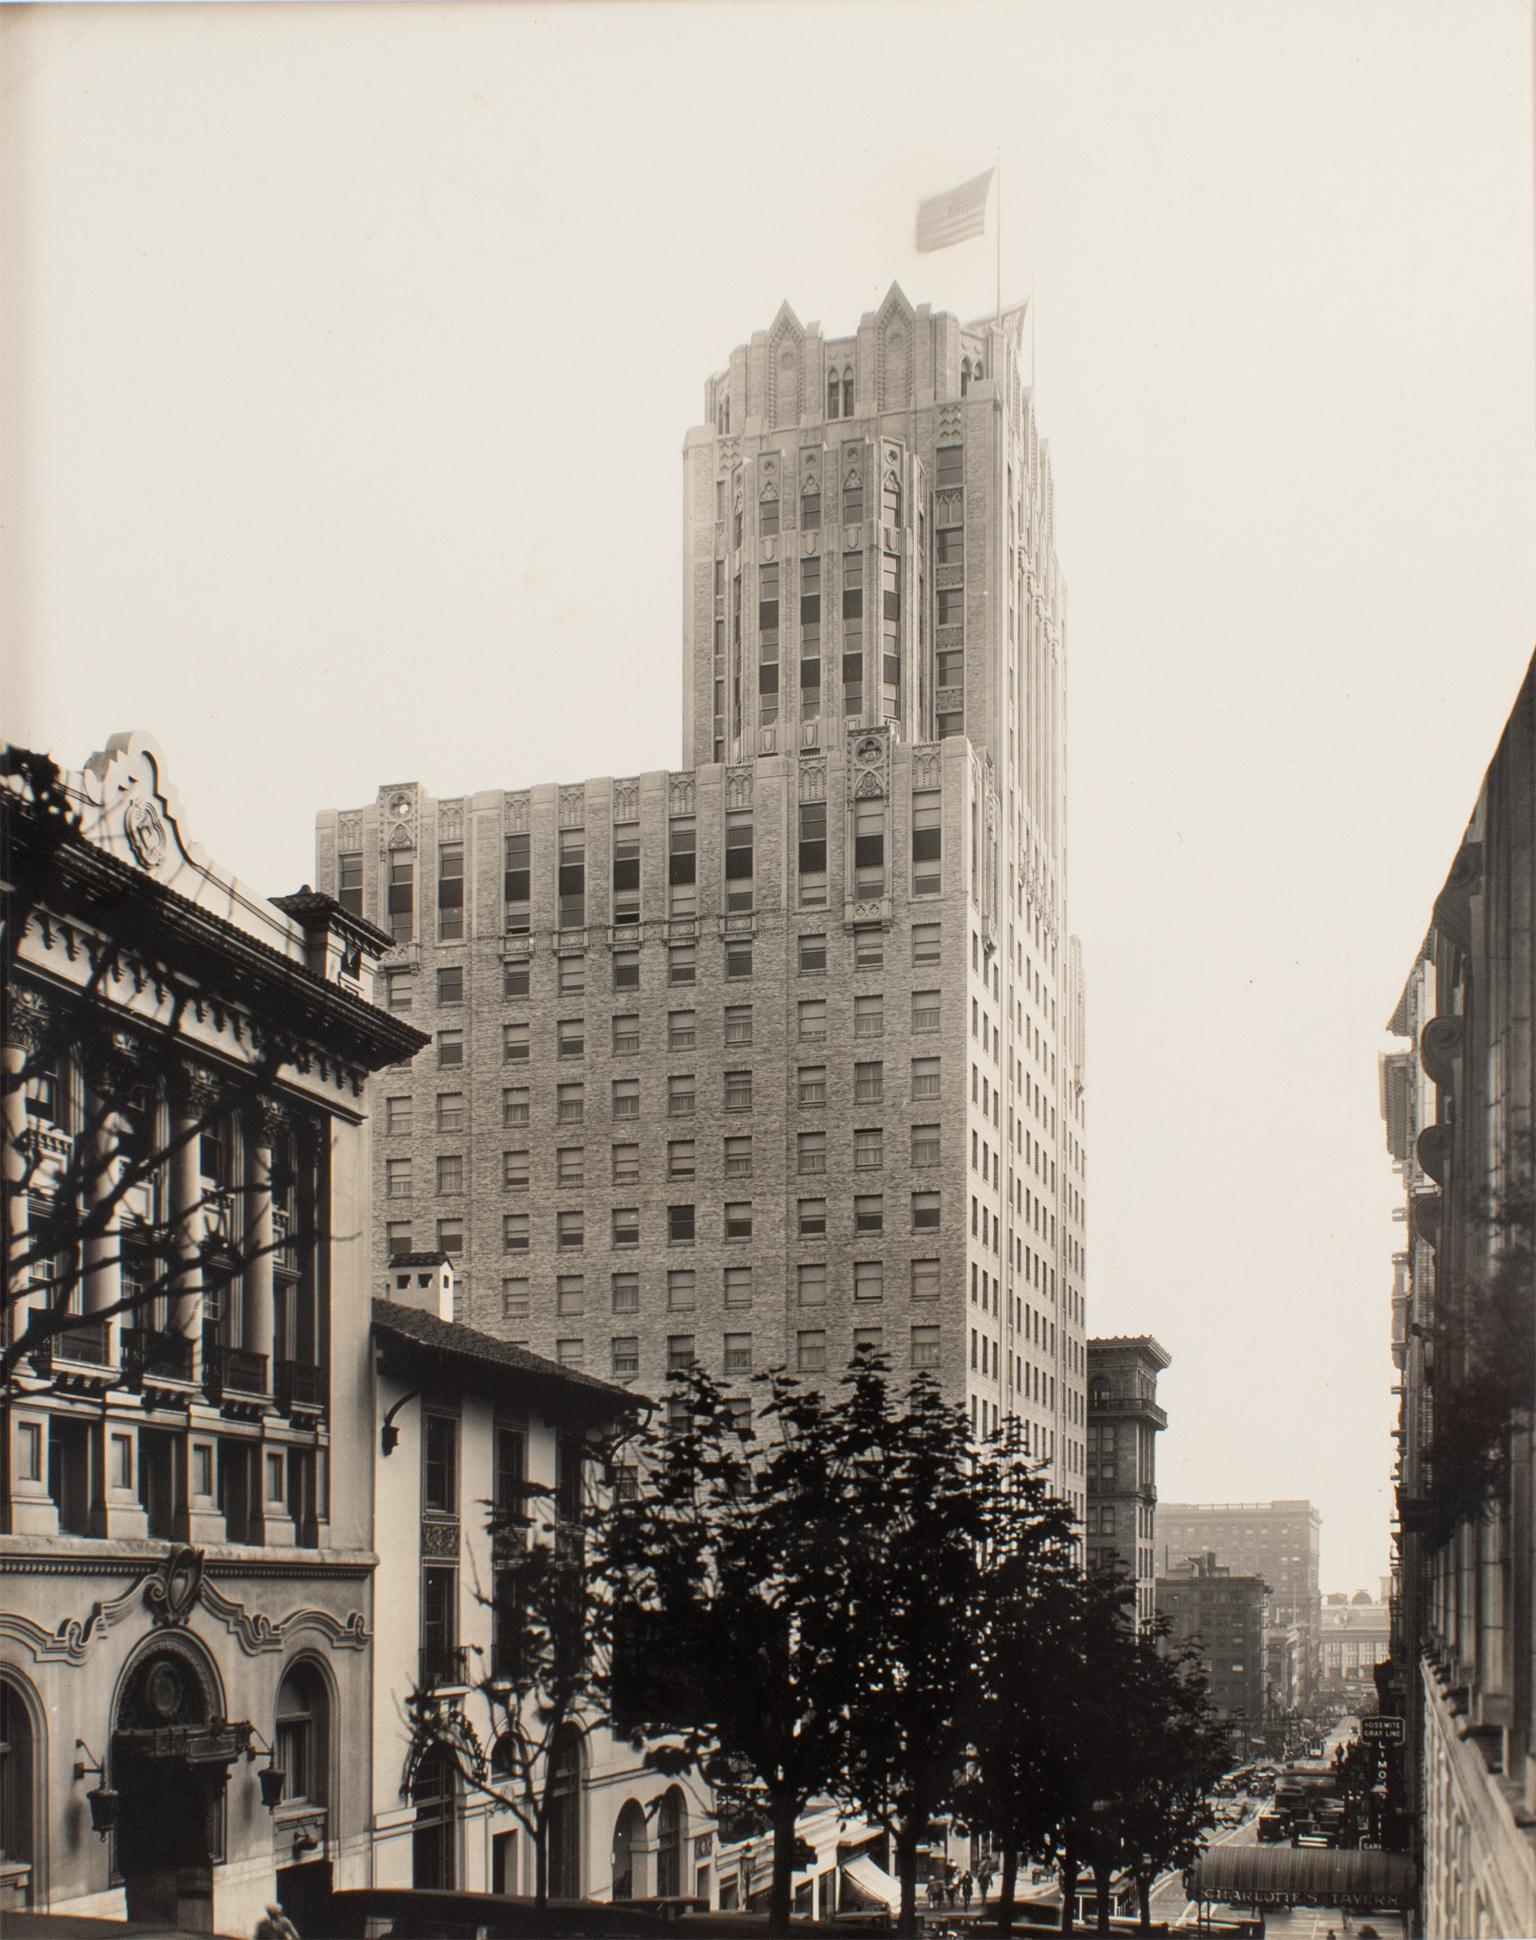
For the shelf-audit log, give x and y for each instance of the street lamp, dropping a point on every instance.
(101, 1798)
(273, 1778)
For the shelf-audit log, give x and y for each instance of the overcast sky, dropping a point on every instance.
(348, 354)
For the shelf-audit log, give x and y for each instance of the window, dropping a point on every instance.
(626, 872)
(682, 868)
(811, 1149)
(868, 1280)
(834, 394)
(450, 891)
(626, 1225)
(927, 943)
(951, 606)
(869, 848)
(571, 1037)
(868, 1341)
(682, 1032)
(440, 1465)
(812, 1013)
(680, 1158)
(949, 541)
(738, 1024)
(811, 1283)
(738, 1219)
(925, 1212)
(514, 1232)
(680, 1095)
(570, 1294)
(570, 1352)
(515, 880)
(397, 989)
(738, 1158)
(813, 1084)
(397, 1237)
(810, 503)
(869, 1213)
(397, 1114)
(450, 984)
(811, 1350)
(853, 589)
(514, 1171)
(949, 667)
(925, 1346)
(514, 1043)
(402, 897)
(927, 858)
(680, 1290)
(450, 1049)
(450, 1236)
(680, 1354)
(925, 1145)
(570, 1166)
(682, 963)
(514, 1106)
(925, 1077)
(514, 1299)
(813, 953)
(450, 1111)
(397, 1178)
(813, 1219)
(570, 1230)
(768, 513)
(450, 1173)
(515, 978)
(571, 975)
(950, 463)
(624, 1355)
(626, 1165)
(738, 1091)
(570, 1105)
(626, 1034)
(626, 1097)
(869, 1016)
(738, 1286)
(572, 882)
(738, 1354)
(868, 1083)
(680, 1225)
(868, 947)
(624, 1293)
(869, 1149)
(925, 1011)
(349, 882)
(738, 960)
(853, 499)
(626, 969)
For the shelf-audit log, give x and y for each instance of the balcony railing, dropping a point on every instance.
(86, 1342)
(300, 1384)
(443, 1666)
(232, 1370)
(1128, 1404)
(154, 1356)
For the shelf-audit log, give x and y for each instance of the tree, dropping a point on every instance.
(966, 1537)
(742, 1583)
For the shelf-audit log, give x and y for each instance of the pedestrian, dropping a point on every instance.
(984, 1878)
(967, 1887)
(275, 1924)
(953, 1889)
(935, 1891)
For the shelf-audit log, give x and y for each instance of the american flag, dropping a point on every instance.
(955, 216)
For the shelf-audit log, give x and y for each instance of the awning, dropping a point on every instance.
(873, 1881)
(1236, 1875)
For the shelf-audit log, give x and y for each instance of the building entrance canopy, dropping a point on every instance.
(1301, 1876)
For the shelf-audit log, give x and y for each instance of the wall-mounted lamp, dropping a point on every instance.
(273, 1778)
(389, 1434)
(101, 1798)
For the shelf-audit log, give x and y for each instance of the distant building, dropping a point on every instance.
(1124, 1420)
(1279, 1541)
(1459, 1103)
(1222, 1615)
(1356, 1637)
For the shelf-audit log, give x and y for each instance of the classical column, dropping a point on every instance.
(26, 1024)
(193, 1099)
(258, 1332)
(102, 1261)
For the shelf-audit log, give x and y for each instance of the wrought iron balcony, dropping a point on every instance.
(149, 1355)
(232, 1370)
(87, 1342)
(300, 1385)
(1129, 1404)
(443, 1667)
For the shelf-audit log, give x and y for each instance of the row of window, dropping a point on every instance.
(868, 1283)
(682, 897)
(570, 1231)
(736, 1350)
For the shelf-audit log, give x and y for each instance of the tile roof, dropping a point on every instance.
(467, 1344)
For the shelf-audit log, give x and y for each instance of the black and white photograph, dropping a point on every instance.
(768, 843)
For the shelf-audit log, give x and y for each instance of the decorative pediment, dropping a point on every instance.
(400, 837)
(868, 788)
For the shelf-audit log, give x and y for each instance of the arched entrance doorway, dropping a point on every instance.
(629, 1854)
(671, 1830)
(18, 1798)
(171, 1754)
(564, 1835)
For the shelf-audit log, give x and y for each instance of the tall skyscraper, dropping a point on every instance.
(1124, 1421)
(781, 1054)
(1279, 1541)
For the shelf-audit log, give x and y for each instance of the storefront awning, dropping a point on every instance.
(1235, 1875)
(873, 1881)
